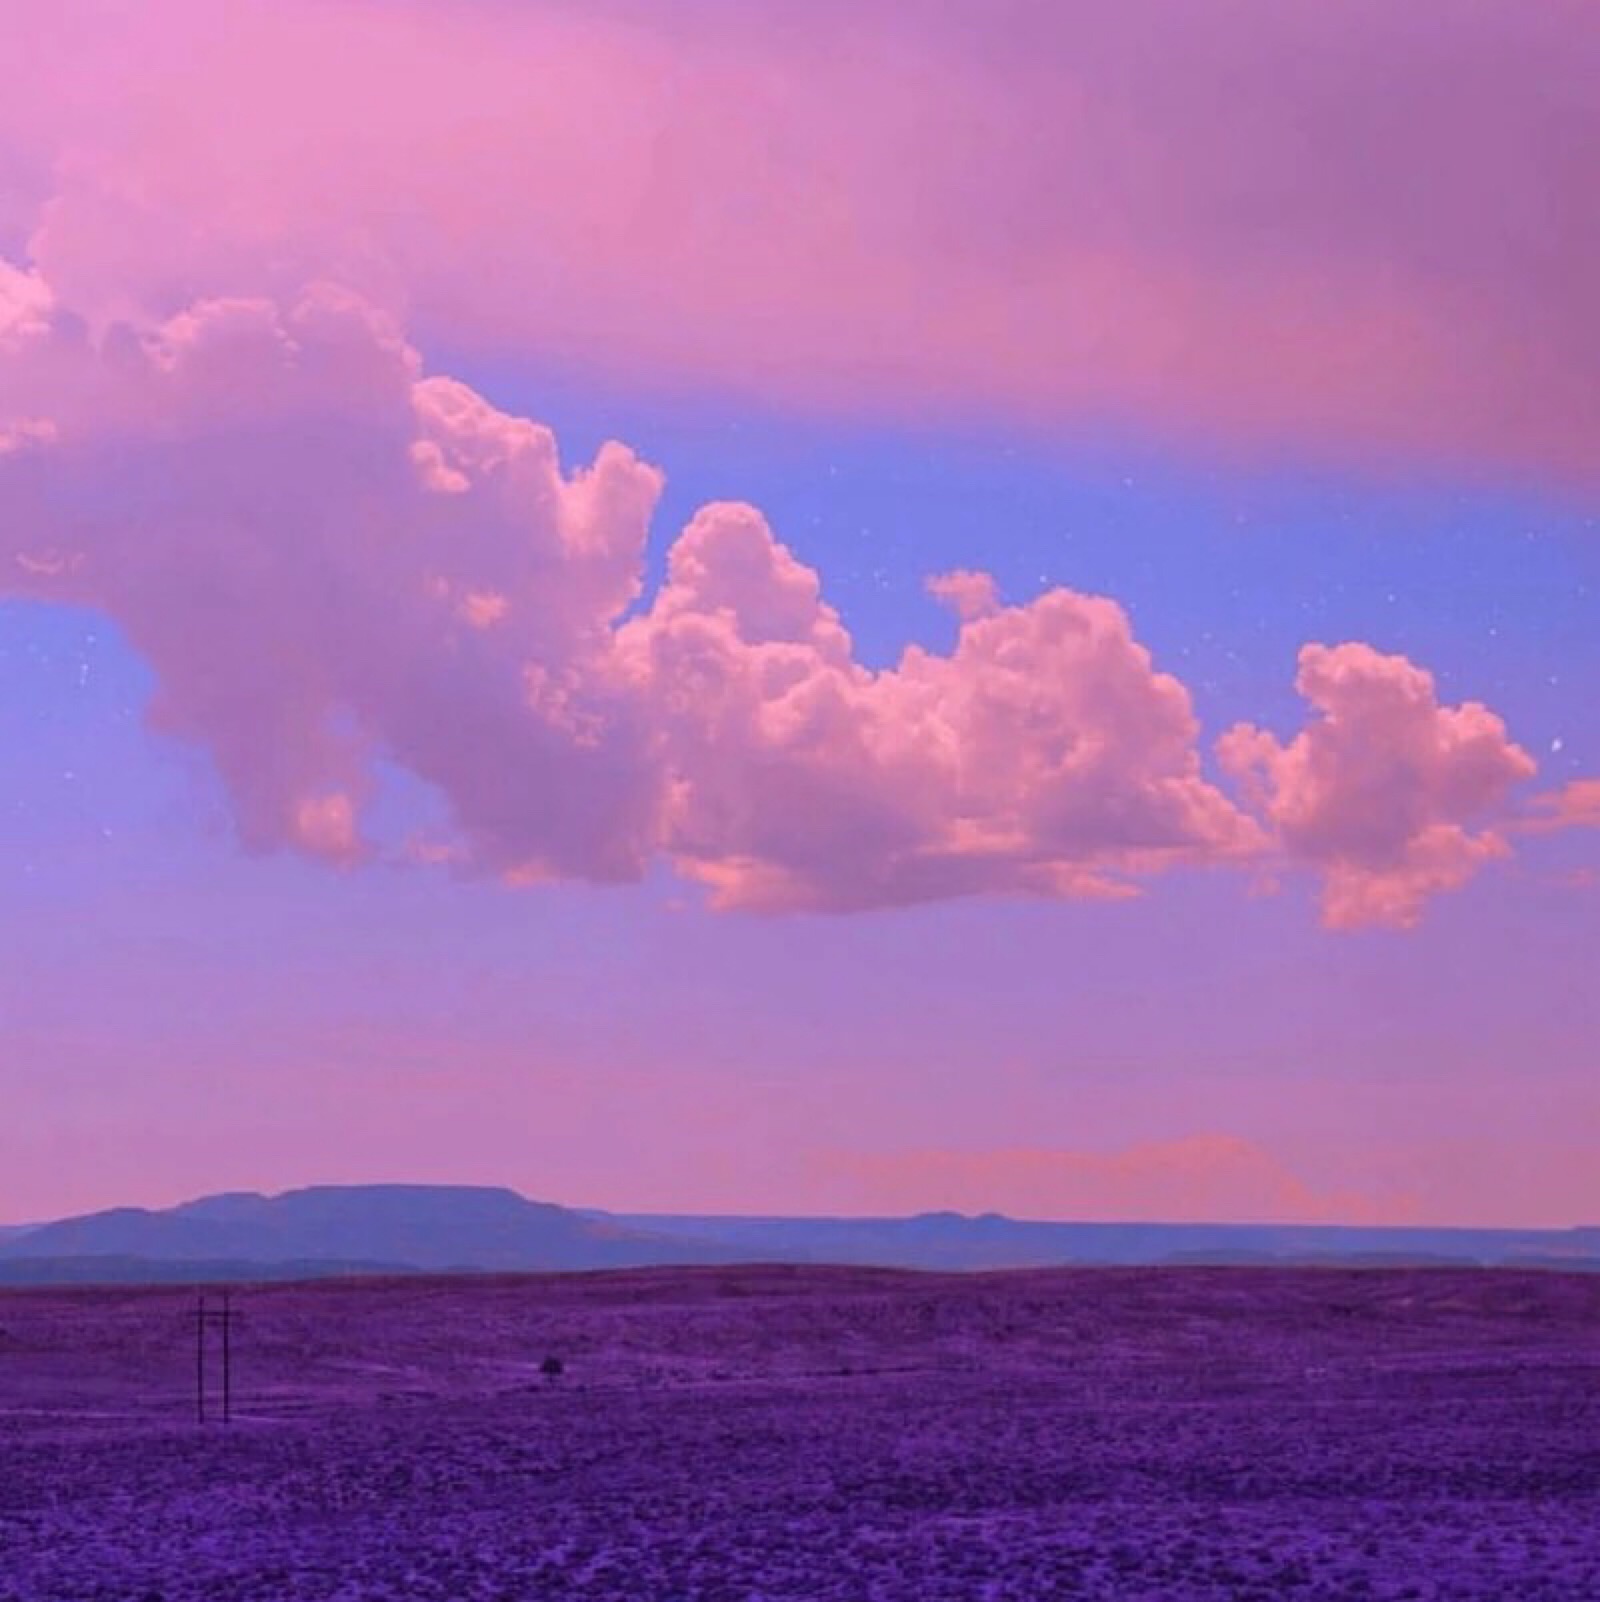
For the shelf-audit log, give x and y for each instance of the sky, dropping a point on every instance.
(803, 607)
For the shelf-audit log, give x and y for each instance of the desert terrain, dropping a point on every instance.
(752, 1434)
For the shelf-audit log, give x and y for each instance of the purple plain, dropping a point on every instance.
(751, 1434)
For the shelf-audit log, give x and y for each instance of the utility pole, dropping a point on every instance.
(227, 1357)
(218, 1318)
(200, 1361)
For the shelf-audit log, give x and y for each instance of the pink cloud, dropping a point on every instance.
(332, 559)
(970, 595)
(1576, 805)
(1045, 755)
(1203, 1178)
(325, 826)
(1390, 796)
(299, 531)
(1363, 229)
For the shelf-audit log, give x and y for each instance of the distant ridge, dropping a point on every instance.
(338, 1228)
(96, 1270)
(990, 1240)
(385, 1229)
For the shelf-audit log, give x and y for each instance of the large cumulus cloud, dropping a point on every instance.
(333, 559)
(1044, 754)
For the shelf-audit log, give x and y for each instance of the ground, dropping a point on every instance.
(747, 1435)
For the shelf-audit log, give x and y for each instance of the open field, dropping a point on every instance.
(721, 1435)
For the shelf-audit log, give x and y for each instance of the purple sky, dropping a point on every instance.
(1074, 695)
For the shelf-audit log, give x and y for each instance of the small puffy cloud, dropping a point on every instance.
(966, 593)
(25, 302)
(1392, 797)
(1576, 805)
(325, 826)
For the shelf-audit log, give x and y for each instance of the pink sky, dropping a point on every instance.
(1349, 228)
(248, 249)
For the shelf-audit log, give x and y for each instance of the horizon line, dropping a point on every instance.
(1389, 1227)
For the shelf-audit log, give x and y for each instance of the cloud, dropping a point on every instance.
(1390, 796)
(1202, 1178)
(1576, 805)
(304, 536)
(333, 559)
(1045, 754)
(1246, 225)
(330, 558)
(969, 595)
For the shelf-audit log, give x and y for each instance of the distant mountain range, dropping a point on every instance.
(367, 1229)
(958, 1242)
(342, 1229)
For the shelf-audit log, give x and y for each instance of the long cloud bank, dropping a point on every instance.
(1363, 230)
(331, 559)
(1199, 1179)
